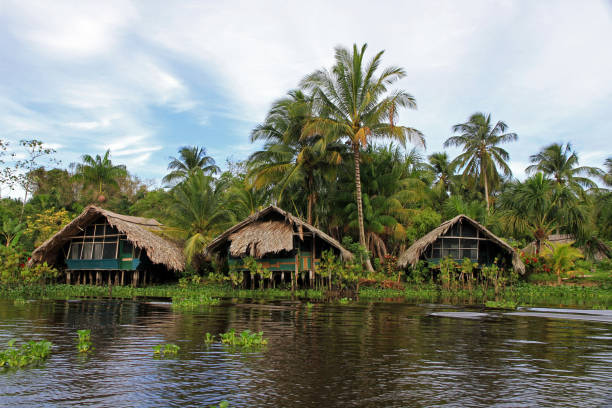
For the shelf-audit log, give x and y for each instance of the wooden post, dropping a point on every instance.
(122, 278)
(110, 281)
(312, 267)
(98, 278)
(68, 277)
(294, 278)
(144, 279)
(137, 276)
(90, 277)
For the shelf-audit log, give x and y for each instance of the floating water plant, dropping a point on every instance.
(191, 303)
(344, 301)
(505, 304)
(169, 349)
(309, 305)
(209, 339)
(246, 339)
(84, 345)
(222, 404)
(29, 353)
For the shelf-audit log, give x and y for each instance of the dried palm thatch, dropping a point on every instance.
(258, 235)
(138, 230)
(412, 255)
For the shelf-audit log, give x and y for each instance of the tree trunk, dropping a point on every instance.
(486, 185)
(362, 241)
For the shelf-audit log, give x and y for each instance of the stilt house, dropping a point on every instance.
(460, 238)
(106, 244)
(281, 242)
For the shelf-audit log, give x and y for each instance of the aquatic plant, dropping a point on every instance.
(344, 301)
(84, 344)
(504, 304)
(222, 404)
(309, 305)
(168, 349)
(194, 302)
(209, 339)
(246, 339)
(29, 353)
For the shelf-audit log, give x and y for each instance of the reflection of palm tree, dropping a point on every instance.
(190, 159)
(353, 103)
(99, 172)
(481, 156)
(561, 163)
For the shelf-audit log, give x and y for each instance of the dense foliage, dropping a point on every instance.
(334, 155)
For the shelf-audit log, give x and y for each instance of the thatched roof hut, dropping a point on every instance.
(139, 231)
(268, 232)
(478, 234)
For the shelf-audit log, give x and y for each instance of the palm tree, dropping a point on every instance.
(561, 163)
(287, 159)
(481, 155)
(444, 170)
(353, 103)
(607, 177)
(99, 173)
(538, 206)
(190, 159)
(197, 212)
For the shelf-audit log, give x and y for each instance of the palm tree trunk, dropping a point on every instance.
(362, 241)
(309, 215)
(486, 184)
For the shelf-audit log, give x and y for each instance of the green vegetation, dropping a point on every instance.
(166, 350)
(246, 340)
(30, 353)
(506, 304)
(321, 160)
(84, 344)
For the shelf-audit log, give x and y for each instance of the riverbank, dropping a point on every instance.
(524, 294)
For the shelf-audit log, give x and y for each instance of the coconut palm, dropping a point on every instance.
(481, 155)
(287, 159)
(352, 102)
(189, 160)
(99, 173)
(197, 212)
(607, 176)
(538, 206)
(444, 170)
(560, 162)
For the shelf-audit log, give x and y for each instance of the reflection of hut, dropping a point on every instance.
(279, 241)
(460, 238)
(599, 250)
(105, 243)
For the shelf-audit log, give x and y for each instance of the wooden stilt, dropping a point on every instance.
(98, 278)
(110, 281)
(294, 278)
(122, 278)
(144, 279)
(135, 278)
(68, 277)
(90, 277)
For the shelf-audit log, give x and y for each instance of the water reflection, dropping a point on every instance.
(369, 354)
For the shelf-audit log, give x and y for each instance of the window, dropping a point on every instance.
(75, 250)
(110, 250)
(97, 250)
(87, 249)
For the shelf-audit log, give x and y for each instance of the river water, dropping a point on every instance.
(356, 355)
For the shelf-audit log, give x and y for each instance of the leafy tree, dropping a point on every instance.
(99, 173)
(43, 225)
(562, 259)
(444, 170)
(456, 205)
(12, 229)
(352, 102)
(288, 160)
(35, 152)
(191, 158)
(481, 155)
(197, 212)
(607, 176)
(561, 163)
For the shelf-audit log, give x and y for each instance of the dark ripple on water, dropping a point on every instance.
(329, 355)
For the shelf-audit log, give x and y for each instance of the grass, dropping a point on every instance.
(165, 350)
(246, 340)
(193, 296)
(30, 353)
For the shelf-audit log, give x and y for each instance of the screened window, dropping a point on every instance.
(98, 240)
(459, 242)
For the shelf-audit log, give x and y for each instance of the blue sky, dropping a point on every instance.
(144, 78)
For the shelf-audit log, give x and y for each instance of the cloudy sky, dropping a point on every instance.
(144, 78)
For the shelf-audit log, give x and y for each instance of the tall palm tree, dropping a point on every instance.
(481, 155)
(197, 212)
(353, 103)
(287, 159)
(99, 172)
(538, 206)
(561, 163)
(190, 159)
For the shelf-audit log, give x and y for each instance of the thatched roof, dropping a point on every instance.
(599, 249)
(412, 255)
(259, 235)
(556, 239)
(137, 229)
